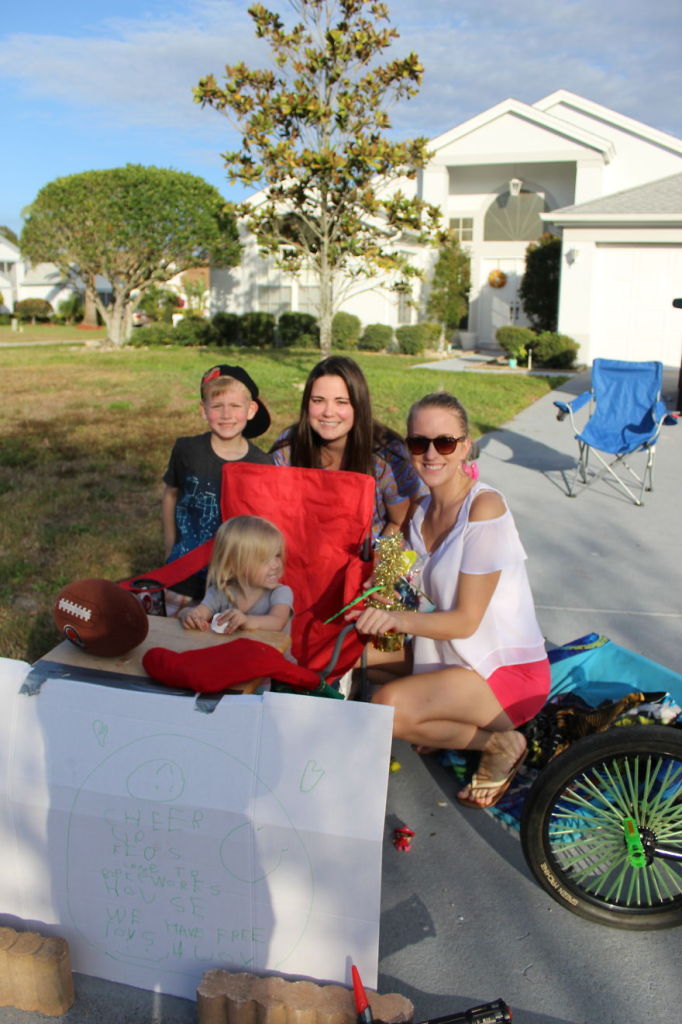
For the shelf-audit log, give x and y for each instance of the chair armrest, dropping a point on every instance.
(568, 408)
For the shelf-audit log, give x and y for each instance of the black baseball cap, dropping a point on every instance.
(261, 421)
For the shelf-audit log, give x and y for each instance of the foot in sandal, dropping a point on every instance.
(499, 763)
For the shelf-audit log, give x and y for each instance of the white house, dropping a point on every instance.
(20, 280)
(564, 164)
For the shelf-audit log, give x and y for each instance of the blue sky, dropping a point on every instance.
(81, 89)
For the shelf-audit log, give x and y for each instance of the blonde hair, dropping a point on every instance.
(211, 388)
(242, 544)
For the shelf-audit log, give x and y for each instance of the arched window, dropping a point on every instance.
(515, 218)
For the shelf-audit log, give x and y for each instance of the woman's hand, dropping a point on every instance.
(374, 621)
(232, 620)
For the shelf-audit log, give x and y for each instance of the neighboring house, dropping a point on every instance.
(20, 280)
(9, 258)
(501, 179)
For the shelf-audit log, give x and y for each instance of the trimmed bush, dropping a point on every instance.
(33, 309)
(292, 327)
(345, 331)
(555, 350)
(70, 310)
(191, 331)
(257, 330)
(153, 336)
(225, 329)
(410, 338)
(376, 338)
(432, 333)
(515, 341)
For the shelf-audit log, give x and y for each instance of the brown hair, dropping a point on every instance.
(365, 436)
(441, 400)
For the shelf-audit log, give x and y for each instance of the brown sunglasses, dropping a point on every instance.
(443, 444)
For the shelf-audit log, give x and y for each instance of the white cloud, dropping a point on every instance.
(141, 72)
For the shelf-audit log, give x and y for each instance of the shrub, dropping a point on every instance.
(410, 338)
(345, 331)
(555, 350)
(160, 303)
(33, 309)
(515, 341)
(292, 327)
(309, 340)
(376, 338)
(192, 330)
(70, 310)
(257, 330)
(154, 335)
(225, 329)
(539, 288)
(432, 333)
(5, 319)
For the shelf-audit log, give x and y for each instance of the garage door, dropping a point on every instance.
(633, 314)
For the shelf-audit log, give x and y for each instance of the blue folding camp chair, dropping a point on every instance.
(626, 414)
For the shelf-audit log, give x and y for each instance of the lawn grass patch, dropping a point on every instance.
(50, 333)
(85, 436)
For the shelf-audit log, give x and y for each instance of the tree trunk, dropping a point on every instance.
(118, 319)
(89, 308)
(326, 282)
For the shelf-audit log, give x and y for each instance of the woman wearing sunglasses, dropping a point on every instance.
(477, 668)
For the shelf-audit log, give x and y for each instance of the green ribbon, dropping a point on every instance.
(356, 600)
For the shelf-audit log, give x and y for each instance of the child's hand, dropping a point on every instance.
(232, 620)
(194, 618)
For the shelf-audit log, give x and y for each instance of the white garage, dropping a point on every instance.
(621, 269)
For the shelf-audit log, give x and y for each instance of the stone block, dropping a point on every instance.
(224, 998)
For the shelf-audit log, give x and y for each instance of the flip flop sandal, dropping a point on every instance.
(501, 785)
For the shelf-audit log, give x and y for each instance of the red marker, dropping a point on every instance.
(362, 1007)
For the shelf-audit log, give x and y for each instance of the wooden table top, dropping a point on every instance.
(63, 659)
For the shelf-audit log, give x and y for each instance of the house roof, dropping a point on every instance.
(43, 273)
(657, 202)
(549, 122)
(572, 102)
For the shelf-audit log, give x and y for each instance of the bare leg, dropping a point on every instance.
(455, 709)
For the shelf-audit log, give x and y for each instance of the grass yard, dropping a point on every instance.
(85, 435)
(49, 333)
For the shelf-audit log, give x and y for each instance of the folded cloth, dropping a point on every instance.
(222, 666)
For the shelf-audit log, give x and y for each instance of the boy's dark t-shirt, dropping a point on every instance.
(196, 470)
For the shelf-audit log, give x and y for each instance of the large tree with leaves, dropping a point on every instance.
(134, 226)
(314, 140)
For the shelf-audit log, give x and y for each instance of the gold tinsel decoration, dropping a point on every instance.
(392, 562)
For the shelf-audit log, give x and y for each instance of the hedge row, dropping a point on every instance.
(261, 330)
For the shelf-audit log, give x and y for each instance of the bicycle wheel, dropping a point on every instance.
(592, 819)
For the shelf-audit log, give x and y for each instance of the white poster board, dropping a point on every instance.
(161, 841)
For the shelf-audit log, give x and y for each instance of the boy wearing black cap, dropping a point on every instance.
(190, 505)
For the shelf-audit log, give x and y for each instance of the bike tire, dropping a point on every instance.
(573, 835)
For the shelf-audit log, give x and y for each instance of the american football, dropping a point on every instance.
(100, 617)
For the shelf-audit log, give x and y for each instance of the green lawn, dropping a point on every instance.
(85, 435)
(49, 332)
